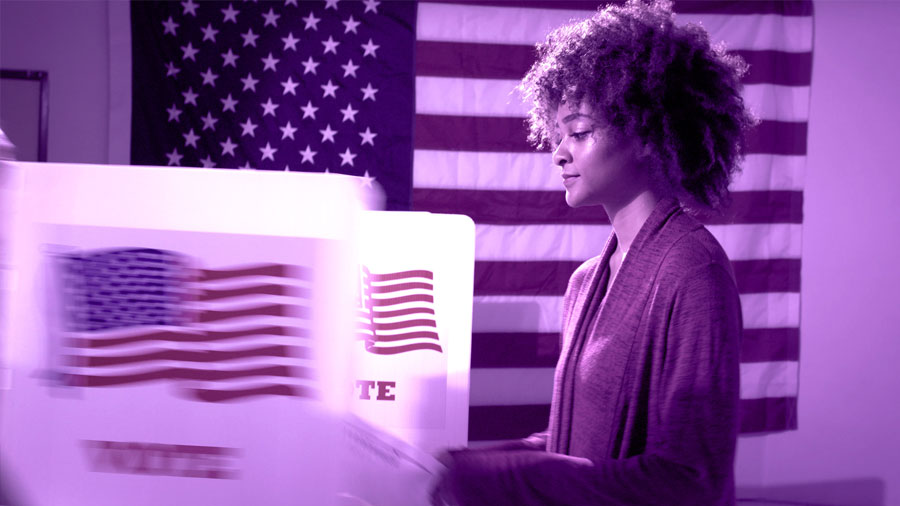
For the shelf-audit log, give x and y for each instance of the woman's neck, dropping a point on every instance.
(628, 217)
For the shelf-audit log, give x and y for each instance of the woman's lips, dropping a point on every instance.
(569, 179)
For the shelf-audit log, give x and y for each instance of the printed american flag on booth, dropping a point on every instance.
(135, 316)
(396, 312)
(470, 157)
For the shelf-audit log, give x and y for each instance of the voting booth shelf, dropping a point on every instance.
(175, 336)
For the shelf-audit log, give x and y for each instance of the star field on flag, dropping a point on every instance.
(296, 86)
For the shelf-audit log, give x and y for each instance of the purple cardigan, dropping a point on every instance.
(646, 392)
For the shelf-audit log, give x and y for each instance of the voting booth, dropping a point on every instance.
(412, 355)
(177, 336)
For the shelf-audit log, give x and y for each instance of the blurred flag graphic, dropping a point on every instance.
(134, 316)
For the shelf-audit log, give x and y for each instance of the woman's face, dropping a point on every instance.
(595, 168)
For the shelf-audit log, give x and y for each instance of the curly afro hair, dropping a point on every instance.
(649, 79)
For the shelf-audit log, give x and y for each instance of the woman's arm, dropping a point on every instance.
(691, 432)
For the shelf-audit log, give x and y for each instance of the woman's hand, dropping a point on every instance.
(442, 486)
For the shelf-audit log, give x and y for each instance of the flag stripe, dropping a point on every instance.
(528, 386)
(765, 345)
(208, 395)
(404, 324)
(500, 207)
(403, 312)
(537, 349)
(761, 380)
(776, 102)
(511, 386)
(792, 8)
(262, 310)
(523, 278)
(185, 337)
(393, 276)
(266, 289)
(768, 414)
(770, 310)
(182, 373)
(580, 242)
(505, 61)
(535, 171)
(277, 270)
(551, 278)
(773, 275)
(421, 334)
(777, 67)
(403, 300)
(514, 349)
(402, 286)
(516, 313)
(528, 26)
(456, 96)
(192, 356)
(491, 423)
(394, 350)
(498, 134)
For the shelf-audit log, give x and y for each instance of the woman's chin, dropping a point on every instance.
(574, 200)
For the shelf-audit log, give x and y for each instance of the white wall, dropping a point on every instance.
(69, 40)
(847, 448)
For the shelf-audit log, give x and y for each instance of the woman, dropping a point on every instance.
(646, 120)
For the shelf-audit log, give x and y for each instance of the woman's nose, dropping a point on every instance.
(561, 155)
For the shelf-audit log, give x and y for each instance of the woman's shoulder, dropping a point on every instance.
(584, 271)
(692, 251)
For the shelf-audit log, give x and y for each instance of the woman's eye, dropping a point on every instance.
(582, 135)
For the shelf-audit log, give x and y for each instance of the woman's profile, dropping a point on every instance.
(645, 118)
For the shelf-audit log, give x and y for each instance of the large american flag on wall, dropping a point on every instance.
(444, 120)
